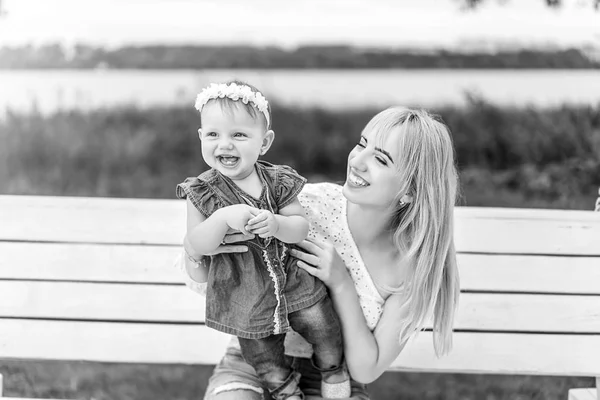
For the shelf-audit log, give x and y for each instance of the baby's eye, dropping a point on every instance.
(211, 134)
(239, 134)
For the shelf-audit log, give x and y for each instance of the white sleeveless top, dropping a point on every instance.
(325, 208)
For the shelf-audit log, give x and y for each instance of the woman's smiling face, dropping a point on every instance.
(372, 175)
(232, 140)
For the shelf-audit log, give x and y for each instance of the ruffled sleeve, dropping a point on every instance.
(288, 185)
(200, 194)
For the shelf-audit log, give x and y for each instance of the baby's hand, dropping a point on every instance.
(238, 216)
(264, 224)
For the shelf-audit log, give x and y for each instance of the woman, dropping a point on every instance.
(382, 244)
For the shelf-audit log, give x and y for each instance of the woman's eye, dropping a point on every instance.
(361, 144)
(381, 161)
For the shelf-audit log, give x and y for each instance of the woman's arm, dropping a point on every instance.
(368, 354)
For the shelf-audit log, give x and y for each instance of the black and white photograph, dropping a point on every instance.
(300, 200)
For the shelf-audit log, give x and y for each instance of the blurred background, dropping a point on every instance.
(96, 99)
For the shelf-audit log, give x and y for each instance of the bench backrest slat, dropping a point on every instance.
(173, 303)
(154, 264)
(104, 220)
(197, 344)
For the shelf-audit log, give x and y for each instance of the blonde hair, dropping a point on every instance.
(423, 229)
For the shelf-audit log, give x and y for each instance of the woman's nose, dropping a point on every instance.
(358, 161)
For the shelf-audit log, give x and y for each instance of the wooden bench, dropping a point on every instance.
(93, 279)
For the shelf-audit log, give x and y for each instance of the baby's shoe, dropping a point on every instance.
(340, 390)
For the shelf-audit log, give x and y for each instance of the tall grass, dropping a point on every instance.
(507, 156)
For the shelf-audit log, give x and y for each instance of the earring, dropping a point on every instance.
(401, 204)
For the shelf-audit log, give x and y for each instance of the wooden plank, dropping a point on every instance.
(102, 220)
(528, 313)
(110, 342)
(535, 236)
(92, 219)
(89, 262)
(529, 354)
(96, 301)
(541, 274)
(116, 263)
(583, 394)
(485, 312)
(527, 214)
(473, 352)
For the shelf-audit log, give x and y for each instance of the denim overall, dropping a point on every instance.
(250, 294)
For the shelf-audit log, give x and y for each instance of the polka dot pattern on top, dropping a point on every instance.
(325, 208)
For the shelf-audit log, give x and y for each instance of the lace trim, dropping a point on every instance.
(276, 321)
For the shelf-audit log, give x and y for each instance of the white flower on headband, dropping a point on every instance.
(234, 92)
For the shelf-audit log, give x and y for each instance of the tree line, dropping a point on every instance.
(56, 56)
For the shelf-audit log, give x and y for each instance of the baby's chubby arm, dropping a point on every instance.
(289, 226)
(204, 235)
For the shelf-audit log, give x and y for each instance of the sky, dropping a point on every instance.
(381, 23)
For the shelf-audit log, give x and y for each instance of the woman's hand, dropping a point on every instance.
(323, 262)
(230, 243)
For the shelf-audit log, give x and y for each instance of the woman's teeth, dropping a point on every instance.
(357, 180)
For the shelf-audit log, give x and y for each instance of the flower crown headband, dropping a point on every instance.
(234, 92)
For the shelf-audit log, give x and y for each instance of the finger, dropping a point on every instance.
(261, 231)
(229, 249)
(244, 231)
(255, 211)
(306, 257)
(237, 237)
(259, 218)
(253, 227)
(310, 245)
(309, 268)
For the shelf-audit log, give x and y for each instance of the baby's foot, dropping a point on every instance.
(340, 390)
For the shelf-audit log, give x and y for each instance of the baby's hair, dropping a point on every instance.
(229, 105)
(424, 228)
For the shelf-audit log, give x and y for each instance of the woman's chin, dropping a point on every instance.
(351, 192)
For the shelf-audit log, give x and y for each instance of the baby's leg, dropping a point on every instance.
(272, 366)
(320, 326)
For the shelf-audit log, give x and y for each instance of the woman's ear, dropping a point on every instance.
(407, 198)
(267, 141)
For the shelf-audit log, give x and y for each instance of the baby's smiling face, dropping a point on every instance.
(232, 139)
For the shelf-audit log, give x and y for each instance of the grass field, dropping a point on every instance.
(99, 381)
